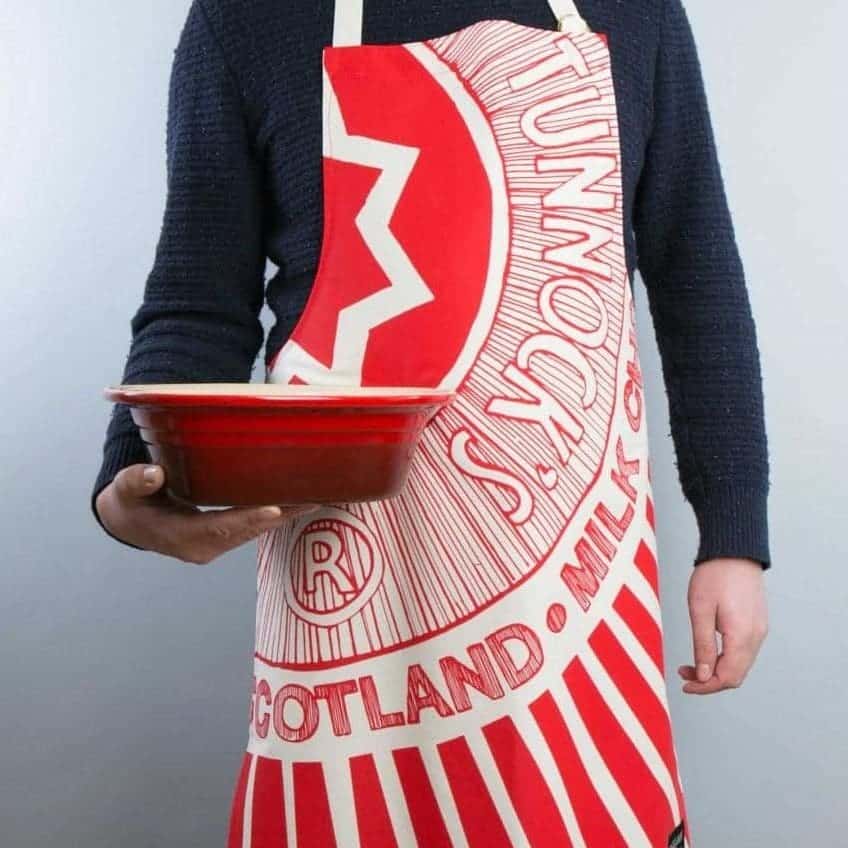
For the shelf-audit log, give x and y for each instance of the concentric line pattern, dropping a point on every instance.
(448, 544)
(590, 763)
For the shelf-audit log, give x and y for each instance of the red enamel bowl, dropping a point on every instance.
(250, 444)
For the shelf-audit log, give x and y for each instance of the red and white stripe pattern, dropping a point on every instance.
(590, 763)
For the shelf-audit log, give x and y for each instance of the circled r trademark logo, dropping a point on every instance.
(335, 567)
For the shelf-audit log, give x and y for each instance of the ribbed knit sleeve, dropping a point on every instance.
(689, 260)
(199, 317)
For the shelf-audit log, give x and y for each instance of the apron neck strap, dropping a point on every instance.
(347, 20)
(568, 16)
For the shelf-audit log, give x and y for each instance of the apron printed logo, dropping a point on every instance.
(528, 306)
(505, 659)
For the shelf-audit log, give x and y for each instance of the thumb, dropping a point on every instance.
(703, 617)
(139, 480)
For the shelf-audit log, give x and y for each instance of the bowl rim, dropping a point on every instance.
(275, 394)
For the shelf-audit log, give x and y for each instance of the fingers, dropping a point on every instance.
(731, 669)
(693, 686)
(733, 664)
(702, 612)
(740, 645)
(742, 637)
(216, 532)
(137, 508)
(133, 489)
(138, 481)
(699, 677)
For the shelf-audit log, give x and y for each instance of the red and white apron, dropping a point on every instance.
(477, 661)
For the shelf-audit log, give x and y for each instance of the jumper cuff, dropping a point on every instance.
(118, 453)
(733, 522)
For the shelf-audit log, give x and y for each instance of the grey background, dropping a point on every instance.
(125, 676)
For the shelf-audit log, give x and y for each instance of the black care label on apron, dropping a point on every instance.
(675, 840)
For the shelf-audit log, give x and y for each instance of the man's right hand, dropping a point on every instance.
(137, 509)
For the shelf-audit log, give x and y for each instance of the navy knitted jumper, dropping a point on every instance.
(244, 154)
